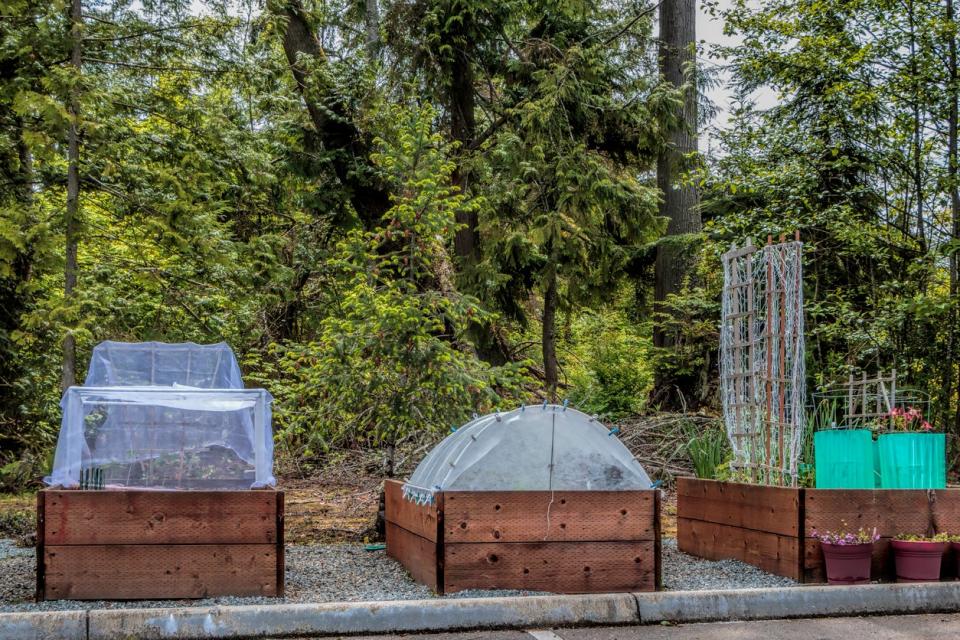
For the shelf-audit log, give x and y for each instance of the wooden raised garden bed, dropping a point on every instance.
(564, 542)
(134, 544)
(772, 527)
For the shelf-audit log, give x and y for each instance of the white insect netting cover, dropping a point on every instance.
(171, 416)
(533, 448)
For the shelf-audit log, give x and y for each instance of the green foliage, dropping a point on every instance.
(708, 449)
(393, 360)
(16, 523)
(607, 363)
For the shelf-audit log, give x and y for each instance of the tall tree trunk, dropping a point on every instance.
(489, 343)
(69, 373)
(335, 130)
(917, 142)
(680, 201)
(953, 173)
(372, 24)
(463, 128)
(549, 342)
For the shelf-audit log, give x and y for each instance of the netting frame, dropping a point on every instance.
(762, 350)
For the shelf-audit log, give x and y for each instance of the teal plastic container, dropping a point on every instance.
(913, 460)
(845, 459)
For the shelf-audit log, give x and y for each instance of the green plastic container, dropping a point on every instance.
(913, 460)
(845, 459)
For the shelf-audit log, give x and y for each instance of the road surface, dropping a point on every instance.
(932, 627)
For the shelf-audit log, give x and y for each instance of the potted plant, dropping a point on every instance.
(912, 456)
(955, 547)
(918, 557)
(847, 554)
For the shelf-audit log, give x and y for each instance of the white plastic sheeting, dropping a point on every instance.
(533, 448)
(172, 416)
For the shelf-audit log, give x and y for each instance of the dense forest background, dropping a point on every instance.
(402, 212)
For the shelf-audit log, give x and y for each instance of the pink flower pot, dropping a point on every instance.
(918, 561)
(955, 546)
(848, 563)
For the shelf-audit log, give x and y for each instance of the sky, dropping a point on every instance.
(710, 32)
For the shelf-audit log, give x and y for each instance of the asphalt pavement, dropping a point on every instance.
(920, 627)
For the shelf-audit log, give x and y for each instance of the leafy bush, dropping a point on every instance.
(392, 358)
(609, 370)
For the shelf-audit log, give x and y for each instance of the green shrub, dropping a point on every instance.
(609, 370)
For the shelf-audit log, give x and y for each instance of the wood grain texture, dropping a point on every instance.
(41, 524)
(281, 545)
(772, 552)
(416, 553)
(420, 519)
(160, 517)
(153, 571)
(558, 567)
(542, 516)
(891, 511)
(768, 509)
(657, 542)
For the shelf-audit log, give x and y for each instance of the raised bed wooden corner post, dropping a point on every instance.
(563, 542)
(135, 544)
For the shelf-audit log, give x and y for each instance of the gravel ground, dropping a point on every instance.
(683, 572)
(348, 573)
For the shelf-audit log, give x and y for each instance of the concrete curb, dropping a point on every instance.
(258, 621)
(798, 602)
(361, 617)
(41, 625)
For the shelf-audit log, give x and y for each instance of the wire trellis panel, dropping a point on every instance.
(762, 373)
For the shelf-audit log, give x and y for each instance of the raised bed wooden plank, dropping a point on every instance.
(772, 552)
(416, 553)
(281, 545)
(38, 550)
(420, 519)
(542, 516)
(563, 567)
(891, 511)
(768, 509)
(152, 571)
(160, 517)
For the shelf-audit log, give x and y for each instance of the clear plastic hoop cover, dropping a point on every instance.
(534, 448)
(165, 416)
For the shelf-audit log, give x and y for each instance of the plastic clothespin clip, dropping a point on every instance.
(566, 401)
(497, 416)
(613, 431)
(475, 415)
(453, 429)
(656, 485)
(544, 407)
(523, 408)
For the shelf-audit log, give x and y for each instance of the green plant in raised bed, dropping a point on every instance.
(708, 450)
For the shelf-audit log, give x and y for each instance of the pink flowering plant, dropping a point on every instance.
(909, 419)
(844, 536)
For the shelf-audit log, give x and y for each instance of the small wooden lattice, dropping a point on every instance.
(870, 400)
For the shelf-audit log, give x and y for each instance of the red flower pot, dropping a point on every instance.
(848, 563)
(918, 561)
(955, 546)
